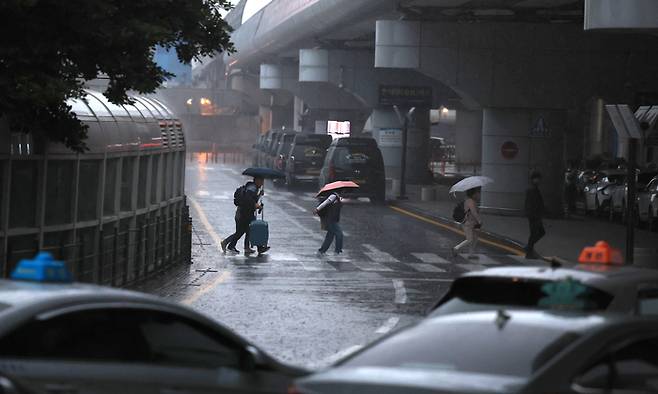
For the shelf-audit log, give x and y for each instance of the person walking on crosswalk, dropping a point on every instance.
(471, 223)
(329, 212)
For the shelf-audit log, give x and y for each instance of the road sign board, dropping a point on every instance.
(405, 96)
(390, 138)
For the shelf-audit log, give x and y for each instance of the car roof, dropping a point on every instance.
(355, 140)
(24, 293)
(605, 277)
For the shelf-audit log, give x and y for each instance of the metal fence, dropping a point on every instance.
(123, 257)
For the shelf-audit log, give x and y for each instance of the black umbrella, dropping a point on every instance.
(265, 173)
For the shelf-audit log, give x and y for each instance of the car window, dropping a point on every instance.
(121, 335)
(348, 157)
(308, 151)
(633, 367)
(515, 350)
(647, 300)
(485, 293)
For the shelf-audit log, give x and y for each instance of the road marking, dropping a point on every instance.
(203, 193)
(400, 291)
(292, 204)
(305, 198)
(204, 220)
(378, 255)
(430, 258)
(388, 326)
(370, 266)
(342, 354)
(482, 259)
(472, 267)
(420, 267)
(317, 266)
(506, 248)
(206, 288)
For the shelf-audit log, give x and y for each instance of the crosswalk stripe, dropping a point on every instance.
(420, 267)
(370, 266)
(472, 267)
(305, 198)
(317, 266)
(292, 204)
(484, 259)
(430, 258)
(378, 255)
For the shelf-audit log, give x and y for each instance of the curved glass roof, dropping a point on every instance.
(95, 104)
(79, 107)
(115, 110)
(252, 7)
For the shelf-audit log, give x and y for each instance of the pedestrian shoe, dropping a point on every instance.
(320, 253)
(223, 245)
(263, 250)
(247, 252)
(234, 250)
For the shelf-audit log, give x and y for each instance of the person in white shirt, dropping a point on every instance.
(471, 223)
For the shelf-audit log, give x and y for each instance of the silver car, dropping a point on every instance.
(619, 193)
(502, 352)
(602, 288)
(597, 195)
(647, 204)
(77, 338)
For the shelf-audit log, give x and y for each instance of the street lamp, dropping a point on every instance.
(404, 122)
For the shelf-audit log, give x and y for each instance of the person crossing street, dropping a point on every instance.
(246, 199)
(534, 210)
(329, 212)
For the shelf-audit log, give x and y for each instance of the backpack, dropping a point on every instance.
(238, 195)
(459, 214)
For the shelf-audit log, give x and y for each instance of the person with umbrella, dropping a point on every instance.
(247, 200)
(329, 212)
(471, 220)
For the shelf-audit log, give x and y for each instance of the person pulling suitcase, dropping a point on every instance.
(247, 200)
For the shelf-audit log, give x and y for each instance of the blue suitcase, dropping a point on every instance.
(259, 233)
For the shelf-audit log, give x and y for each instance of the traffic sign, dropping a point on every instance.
(540, 129)
(509, 150)
(405, 96)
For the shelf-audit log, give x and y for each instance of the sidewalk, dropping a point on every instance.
(564, 238)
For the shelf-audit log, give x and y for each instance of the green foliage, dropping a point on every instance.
(49, 47)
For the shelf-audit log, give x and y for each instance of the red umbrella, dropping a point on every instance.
(337, 185)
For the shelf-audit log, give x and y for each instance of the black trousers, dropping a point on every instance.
(537, 232)
(241, 228)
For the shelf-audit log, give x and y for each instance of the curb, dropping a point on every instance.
(508, 244)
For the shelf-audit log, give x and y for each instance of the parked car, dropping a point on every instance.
(270, 151)
(647, 204)
(283, 150)
(257, 149)
(57, 336)
(358, 160)
(597, 195)
(307, 153)
(597, 288)
(617, 206)
(502, 352)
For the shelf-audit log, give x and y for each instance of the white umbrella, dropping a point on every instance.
(470, 183)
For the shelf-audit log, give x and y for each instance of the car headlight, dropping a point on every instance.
(586, 189)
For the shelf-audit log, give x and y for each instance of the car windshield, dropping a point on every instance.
(348, 157)
(486, 293)
(309, 150)
(481, 347)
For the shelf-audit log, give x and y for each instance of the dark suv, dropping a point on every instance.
(281, 156)
(270, 149)
(305, 158)
(358, 160)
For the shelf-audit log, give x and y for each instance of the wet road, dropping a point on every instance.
(302, 308)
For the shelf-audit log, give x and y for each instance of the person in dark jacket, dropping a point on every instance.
(534, 210)
(244, 215)
(329, 212)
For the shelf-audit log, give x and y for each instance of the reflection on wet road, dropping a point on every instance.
(303, 308)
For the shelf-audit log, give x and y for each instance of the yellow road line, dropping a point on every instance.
(457, 231)
(224, 276)
(204, 220)
(206, 288)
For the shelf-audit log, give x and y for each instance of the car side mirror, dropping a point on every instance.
(251, 358)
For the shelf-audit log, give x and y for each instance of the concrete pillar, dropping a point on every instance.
(418, 152)
(313, 65)
(271, 76)
(468, 139)
(515, 142)
(386, 129)
(397, 44)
